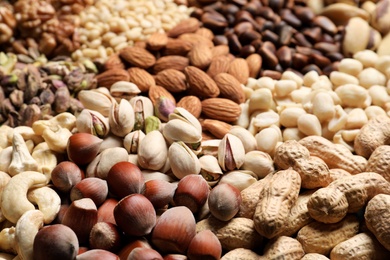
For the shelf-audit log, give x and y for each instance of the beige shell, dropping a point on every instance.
(183, 160)
(121, 118)
(92, 122)
(231, 153)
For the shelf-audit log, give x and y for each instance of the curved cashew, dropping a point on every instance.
(5, 158)
(4, 179)
(47, 200)
(46, 160)
(7, 240)
(21, 157)
(14, 202)
(25, 230)
(57, 140)
(26, 132)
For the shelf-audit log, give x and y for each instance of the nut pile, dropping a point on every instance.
(182, 147)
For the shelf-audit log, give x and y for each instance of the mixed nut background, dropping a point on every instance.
(196, 129)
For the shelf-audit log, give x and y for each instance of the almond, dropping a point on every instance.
(200, 83)
(218, 65)
(220, 50)
(216, 127)
(230, 87)
(189, 25)
(205, 32)
(221, 109)
(196, 39)
(192, 104)
(137, 56)
(141, 78)
(254, 64)
(157, 41)
(114, 62)
(171, 62)
(109, 77)
(177, 47)
(239, 69)
(155, 92)
(171, 79)
(200, 56)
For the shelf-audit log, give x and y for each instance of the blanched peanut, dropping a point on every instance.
(360, 246)
(377, 217)
(349, 135)
(323, 83)
(289, 75)
(371, 76)
(335, 156)
(261, 99)
(373, 111)
(292, 133)
(382, 63)
(300, 94)
(323, 106)
(275, 202)
(267, 139)
(378, 95)
(367, 57)
(284, 87)
(340, 78)
(352, 95)
(309, 124)
(289, 116)
(283, 247)
(266, 119)
(346, 195)
(356, 119)
(266, 82)
(310, 77)
(350, 66)
(317, 237)
(339, 120)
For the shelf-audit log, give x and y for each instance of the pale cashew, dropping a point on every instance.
(21, 157)
(4, 179)
(46, 160)
(14, 202)
(25, 230)
(63, 120)
(26, 132)
(47, 200)
(4, 130)
(5, 158)
(7, 240)
(57, 139)
(6, 256)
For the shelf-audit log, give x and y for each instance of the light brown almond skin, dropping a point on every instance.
(255, 62)
(138, 56)
(218, 65)
(177, 47)
(141, 78)
(239, 69)
(221, 109)
(171, 79)
(200, 56)
(157, 41)
(155, 92)
(200, 83)
(114, 62)
(197, 39)
(189, 25)
(230, 87)
(171, 62)
(216, 127)
(109, 77)
(192, 104)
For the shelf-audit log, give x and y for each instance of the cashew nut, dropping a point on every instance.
(4, 130)
(26, 132)
(47, 200)
(45, 158)
(7, 240)
(63, 120)
(21, 157)
(5, 158)
(14, 200)
(4, 179)
(25, 230)
(57, 139)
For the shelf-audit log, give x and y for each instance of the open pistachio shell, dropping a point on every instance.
(180, 130)
(92, 122)
(183, 160)
(231, 153)
(152, 151)
(183, 114)
(210, 169)
(121, 118)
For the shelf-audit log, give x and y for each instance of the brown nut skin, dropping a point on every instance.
(65, 175)
(106, 236)
(55, 242)
(93, 188)
(159, 192)
(142, 253)
(131, 245)
(106, 211)
(205, 245)
(125, 178)
(174, 230)
(192, 191)
(82, 148)
(224, 201)
(135, 215)
(97, 254)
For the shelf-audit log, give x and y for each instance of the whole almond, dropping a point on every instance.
(189, 25)
(196, 39)
(239, 69)
(221, 109)
(137, 56)
(218, 65)
(157, 41)
(205, 32)
(171, 62)
(230, 87)
(177, 47)
(155, 92)
(192, 104)
(171, 79)
(200, 83)
(200, 56)
(220, 50)
(216, 127)
(114, 62)
(109, 77)
(254, 64)
(141, 78)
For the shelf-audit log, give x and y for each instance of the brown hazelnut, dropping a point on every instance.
(106, 211)
(142, 253)
(97, 254)
(224, 201)
(159, 192)
(82, 148)
(93, 188)
(205, 245)
(105, 235)
(65, 175)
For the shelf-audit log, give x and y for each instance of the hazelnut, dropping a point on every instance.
(82, 148)
(126, 250)
(105, 235)
(97, 254)
(159, 192)
(224, 201)
(205, 245)
(135, 215)
(65, 175)
(106, 211)
(142, 253)
(93, 188)
(192, 191)
(174, 230)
